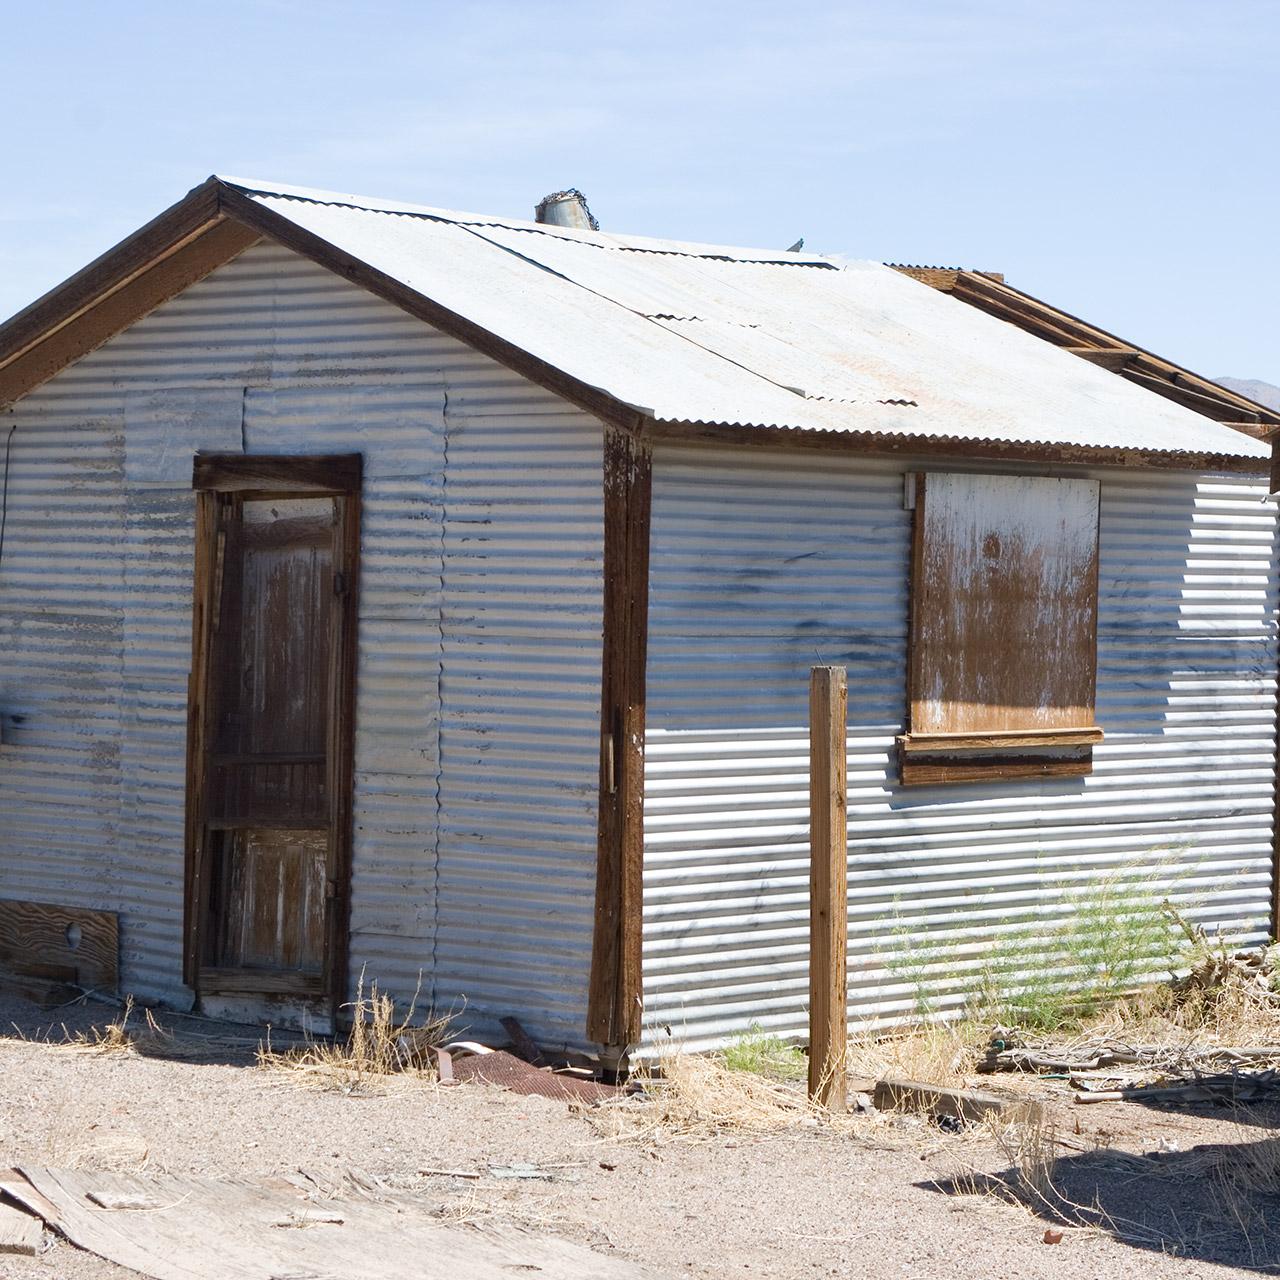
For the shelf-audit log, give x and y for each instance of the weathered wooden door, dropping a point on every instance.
(270, 752)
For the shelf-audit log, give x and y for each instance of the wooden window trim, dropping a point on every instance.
(941, 768)
(916, 743)
(279, 475)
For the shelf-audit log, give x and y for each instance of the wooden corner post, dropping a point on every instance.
(613, 1013)
(828, 886)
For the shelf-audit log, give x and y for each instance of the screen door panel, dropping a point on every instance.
(273, 900)
(268, 808)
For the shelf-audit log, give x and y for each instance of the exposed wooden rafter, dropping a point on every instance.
(987, 291)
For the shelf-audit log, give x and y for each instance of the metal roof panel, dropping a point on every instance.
(754, 338)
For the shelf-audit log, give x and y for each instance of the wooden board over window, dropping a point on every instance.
(1004, 608)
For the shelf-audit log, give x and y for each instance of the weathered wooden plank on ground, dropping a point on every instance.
(210, 1229)
(962, 1104)
(20, 1231)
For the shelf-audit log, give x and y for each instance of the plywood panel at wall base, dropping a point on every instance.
(64, 944)
(1004, 603)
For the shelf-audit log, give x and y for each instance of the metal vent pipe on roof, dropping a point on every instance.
(566, 209)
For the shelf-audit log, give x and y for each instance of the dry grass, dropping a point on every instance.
(114, 1036)
(935, 1053)
(1235, 1184)
(1219, 1004)
(1029, 1145)
(695, 1097)
(117, 1036)
(380, 1045)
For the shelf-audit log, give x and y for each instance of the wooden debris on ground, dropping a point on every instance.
(959, 1104)
(1227, 1089)
(20, 1231)
(1214, 969)
(351, 1227)
(1007, 1052)
(1107, 1068)
(523, 1043)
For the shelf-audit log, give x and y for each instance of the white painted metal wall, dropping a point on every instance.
(764, 564)
(474, 807)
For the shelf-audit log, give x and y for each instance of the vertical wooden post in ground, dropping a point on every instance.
(828, 884)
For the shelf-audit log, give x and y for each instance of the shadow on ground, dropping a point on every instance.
(1218, 1203)
(166, 1034)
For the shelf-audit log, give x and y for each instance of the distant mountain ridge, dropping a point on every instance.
(1263, 392)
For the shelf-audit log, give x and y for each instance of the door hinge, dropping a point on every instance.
(609, 763)
(330, 890)
(339, 584)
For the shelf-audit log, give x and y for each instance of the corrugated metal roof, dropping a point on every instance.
(704, 333)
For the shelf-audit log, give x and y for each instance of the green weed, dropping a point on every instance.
(1051, 966)
(762, 1054)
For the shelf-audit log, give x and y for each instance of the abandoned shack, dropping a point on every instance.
(430, 598)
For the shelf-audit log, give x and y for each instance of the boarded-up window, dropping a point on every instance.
(1004, 606)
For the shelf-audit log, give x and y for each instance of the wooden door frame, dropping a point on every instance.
(216, 476)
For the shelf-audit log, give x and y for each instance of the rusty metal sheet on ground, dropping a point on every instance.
(219, 1229)
(508, 1071)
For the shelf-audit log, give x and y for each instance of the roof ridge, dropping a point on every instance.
(600, 239)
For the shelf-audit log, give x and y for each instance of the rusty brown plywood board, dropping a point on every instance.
(994, 740)
(207, 1229)
(63, 944)
(1003, 604)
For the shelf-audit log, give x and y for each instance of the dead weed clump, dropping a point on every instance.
(117, 1036)
(114, 1036)
(380, 1045)
(694, 1097)
(941, 1053)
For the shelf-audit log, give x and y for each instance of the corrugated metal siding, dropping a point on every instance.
(521, 707)
(762, 568)
(274, 354)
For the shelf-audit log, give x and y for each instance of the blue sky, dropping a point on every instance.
(1117, 159)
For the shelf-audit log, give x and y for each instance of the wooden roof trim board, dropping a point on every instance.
(156, 263)
(988, 291)
(215, 222)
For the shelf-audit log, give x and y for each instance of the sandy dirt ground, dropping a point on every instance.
(878, 1199)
